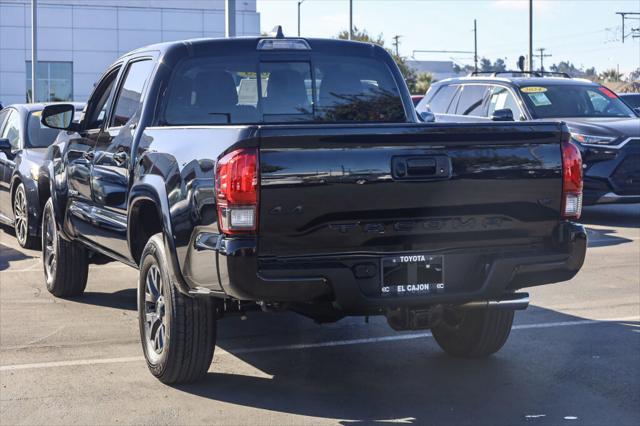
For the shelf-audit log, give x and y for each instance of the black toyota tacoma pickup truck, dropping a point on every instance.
(294, 174)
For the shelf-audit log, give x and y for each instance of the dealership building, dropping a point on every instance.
(78, 39)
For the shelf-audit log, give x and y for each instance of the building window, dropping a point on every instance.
(54, 81)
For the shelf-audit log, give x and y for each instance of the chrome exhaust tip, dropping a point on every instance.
(511, 302)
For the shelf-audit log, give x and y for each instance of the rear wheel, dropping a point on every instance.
(473, 333)
(178, 332)
(65, 263)
(21, 219)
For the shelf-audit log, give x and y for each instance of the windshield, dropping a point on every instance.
(335, 89)
(556, 101)
(38, 135)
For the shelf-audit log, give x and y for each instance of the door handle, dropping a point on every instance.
(88, 155)
(120, 158)
(421, 167)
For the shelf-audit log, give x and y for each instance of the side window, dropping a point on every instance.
(98, 105)
(502, 98)
(441, 100)
(128, 102)
(471, 100)
(12, 130)
(3, 117)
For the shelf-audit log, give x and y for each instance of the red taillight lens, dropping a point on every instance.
(571, 180)
(236, 184)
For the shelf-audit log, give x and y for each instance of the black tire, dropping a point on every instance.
(22, 219)
(473, 333)
(178, 332)
(66, 263)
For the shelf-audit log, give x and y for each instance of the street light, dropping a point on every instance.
(299, 3)
(34, 48)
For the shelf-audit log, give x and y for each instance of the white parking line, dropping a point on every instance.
(333, 343)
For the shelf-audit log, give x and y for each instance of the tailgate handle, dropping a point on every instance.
(421, 166)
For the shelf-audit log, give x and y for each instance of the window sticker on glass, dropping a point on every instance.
(533, 89)
(539, 99)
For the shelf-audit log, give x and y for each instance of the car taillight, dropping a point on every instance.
(236, 184)
(571, 180)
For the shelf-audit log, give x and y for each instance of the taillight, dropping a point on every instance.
(571, 180)
(236, 183)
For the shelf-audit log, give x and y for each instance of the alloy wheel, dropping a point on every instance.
(49, 252)
(20, 213)
(154, 313)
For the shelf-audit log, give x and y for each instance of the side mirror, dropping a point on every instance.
(637, 110)
(502, 115)
(5, 146)
(427, 116)
(58, 116)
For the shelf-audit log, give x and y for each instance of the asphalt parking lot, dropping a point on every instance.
(572, 358)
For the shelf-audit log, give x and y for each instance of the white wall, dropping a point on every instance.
(93, 36)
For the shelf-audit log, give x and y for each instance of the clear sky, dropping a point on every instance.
(585, 32)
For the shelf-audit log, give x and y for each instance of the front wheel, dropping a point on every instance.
(21, 219)
(65, 263)
(473, 333)
(178, 332)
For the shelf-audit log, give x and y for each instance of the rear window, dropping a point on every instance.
(563, 100)
(243, 90)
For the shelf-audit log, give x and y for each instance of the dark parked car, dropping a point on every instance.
(23, 142)
(326, 196)
(632, 99)
(606, 129)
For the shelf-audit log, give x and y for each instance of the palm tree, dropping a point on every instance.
(610, 75)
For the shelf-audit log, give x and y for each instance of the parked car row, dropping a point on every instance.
(23, 143)
(604, 127)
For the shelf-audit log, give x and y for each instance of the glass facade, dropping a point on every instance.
(54, 81)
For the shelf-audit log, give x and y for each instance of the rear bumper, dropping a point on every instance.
(351, 282)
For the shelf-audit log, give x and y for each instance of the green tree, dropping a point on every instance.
(610, 75)
(567, 67)
(499, 65)
(408, 73)
(485, 65)
(634, 75)
(424, 81)
(590, 72)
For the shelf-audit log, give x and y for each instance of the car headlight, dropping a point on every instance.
(591, 139)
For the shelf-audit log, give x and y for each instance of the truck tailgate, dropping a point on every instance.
(378, 189)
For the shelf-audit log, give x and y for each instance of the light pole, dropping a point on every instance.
(475, 45)
(230, 18)
(530, 35)
(350, 19)
(34, 47)
(299, 3)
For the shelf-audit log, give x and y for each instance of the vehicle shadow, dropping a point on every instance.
(413, 382)
(121, 299)
(8, 255)
(604, 238)
(622, 215)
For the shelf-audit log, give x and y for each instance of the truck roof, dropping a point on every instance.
(521, 81)
(233, 44)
